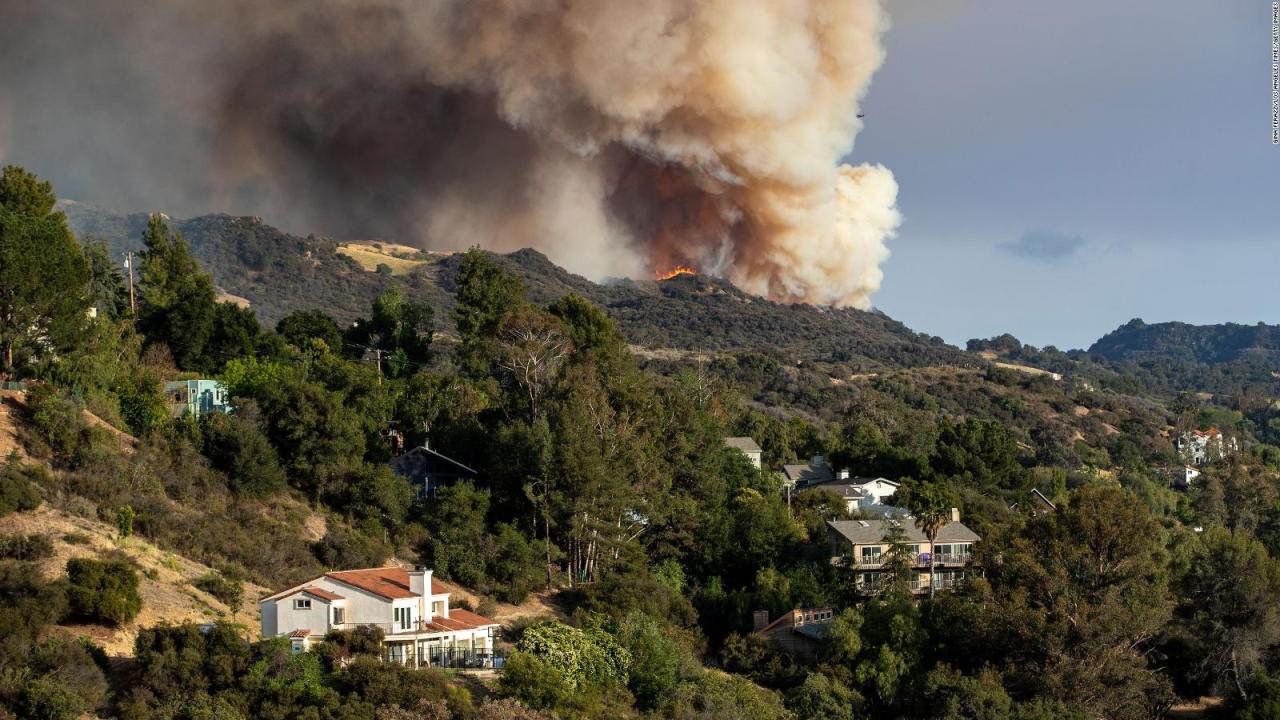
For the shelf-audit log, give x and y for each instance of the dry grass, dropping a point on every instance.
(165, 578)
(11, 408)
(393, 256)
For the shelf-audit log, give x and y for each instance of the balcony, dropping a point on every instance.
(450, 658)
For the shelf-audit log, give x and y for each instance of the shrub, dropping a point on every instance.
(226, 589)
(27, 604)
(534, 682)
(585, 657)
(124, 521)
(103, 591)
(25, 547)
(236, 447)
(17, 492)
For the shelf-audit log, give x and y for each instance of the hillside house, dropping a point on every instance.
(800, 631)
(747, 446)
(1184, 477)
(868, 495)
(816, 472)
(196, 397)
(428, 470)
(410, 607)
(1198, 447)
(861, 546)
(1037, 504)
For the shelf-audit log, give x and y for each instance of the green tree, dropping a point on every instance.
(124, 522)
(177, 300)
(589, 327)
(43, 274)
(312, 428)
(485, 294)
(234, 445)
(586, 658)
(103, 590)
(455, 519)
(299, 327)
(1231, 593)
(400, 329)
(107, 293)
(658, 661)
(899, 565)
(822, 698)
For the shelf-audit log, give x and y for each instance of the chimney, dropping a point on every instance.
(419, 580)
(843, 475)
(955, 514)
(759, 619)
(817, 460)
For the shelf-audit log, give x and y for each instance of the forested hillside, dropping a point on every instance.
(281, 273)
(604, 483)
(1136, 341)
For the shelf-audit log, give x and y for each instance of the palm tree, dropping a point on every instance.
(931, 504)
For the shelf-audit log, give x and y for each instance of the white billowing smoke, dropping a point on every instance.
(619, 137)
(748, 105)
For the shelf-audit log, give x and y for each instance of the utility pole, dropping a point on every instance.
(133, 301)
(377, 357)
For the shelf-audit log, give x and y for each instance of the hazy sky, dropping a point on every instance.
(1065, 167)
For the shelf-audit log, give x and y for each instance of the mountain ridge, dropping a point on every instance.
(279, 272)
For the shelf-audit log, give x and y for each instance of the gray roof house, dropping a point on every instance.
(860, 545)
(747, 446)
(817, 471)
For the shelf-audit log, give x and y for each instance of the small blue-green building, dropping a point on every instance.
(196, 397)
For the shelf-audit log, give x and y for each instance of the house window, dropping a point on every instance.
(339, 616)
(302, 603)
(871, 555)
(437, 608)
(395, 651)
(403, 617)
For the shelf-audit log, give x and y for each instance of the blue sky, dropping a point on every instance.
(1065, 167)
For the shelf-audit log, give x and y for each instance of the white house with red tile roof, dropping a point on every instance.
(409, 606)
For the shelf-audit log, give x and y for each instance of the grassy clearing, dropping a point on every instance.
(370, 257)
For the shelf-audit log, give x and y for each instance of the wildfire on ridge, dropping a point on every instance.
(676, 271)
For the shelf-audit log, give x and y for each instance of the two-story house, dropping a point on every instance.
(868, 495)
(196, 397)
(862, 545)
(411, 608)
(1198, 447)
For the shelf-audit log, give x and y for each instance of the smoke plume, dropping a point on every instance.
(622, 138)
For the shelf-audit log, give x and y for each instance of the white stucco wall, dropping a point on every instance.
(288, 619)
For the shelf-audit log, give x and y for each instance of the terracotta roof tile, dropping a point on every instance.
(388, 582)
(300, 633)
(322, 594)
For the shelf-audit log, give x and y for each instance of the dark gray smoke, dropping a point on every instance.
(620, 138)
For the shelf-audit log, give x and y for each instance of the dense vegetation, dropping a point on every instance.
(604, 479)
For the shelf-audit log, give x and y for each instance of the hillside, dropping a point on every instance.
(279, 273)
(1137, 341)
(167, 579)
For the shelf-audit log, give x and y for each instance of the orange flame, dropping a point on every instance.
(677, 271)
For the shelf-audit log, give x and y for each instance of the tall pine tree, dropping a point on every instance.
(43, 274)
(177, 300)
